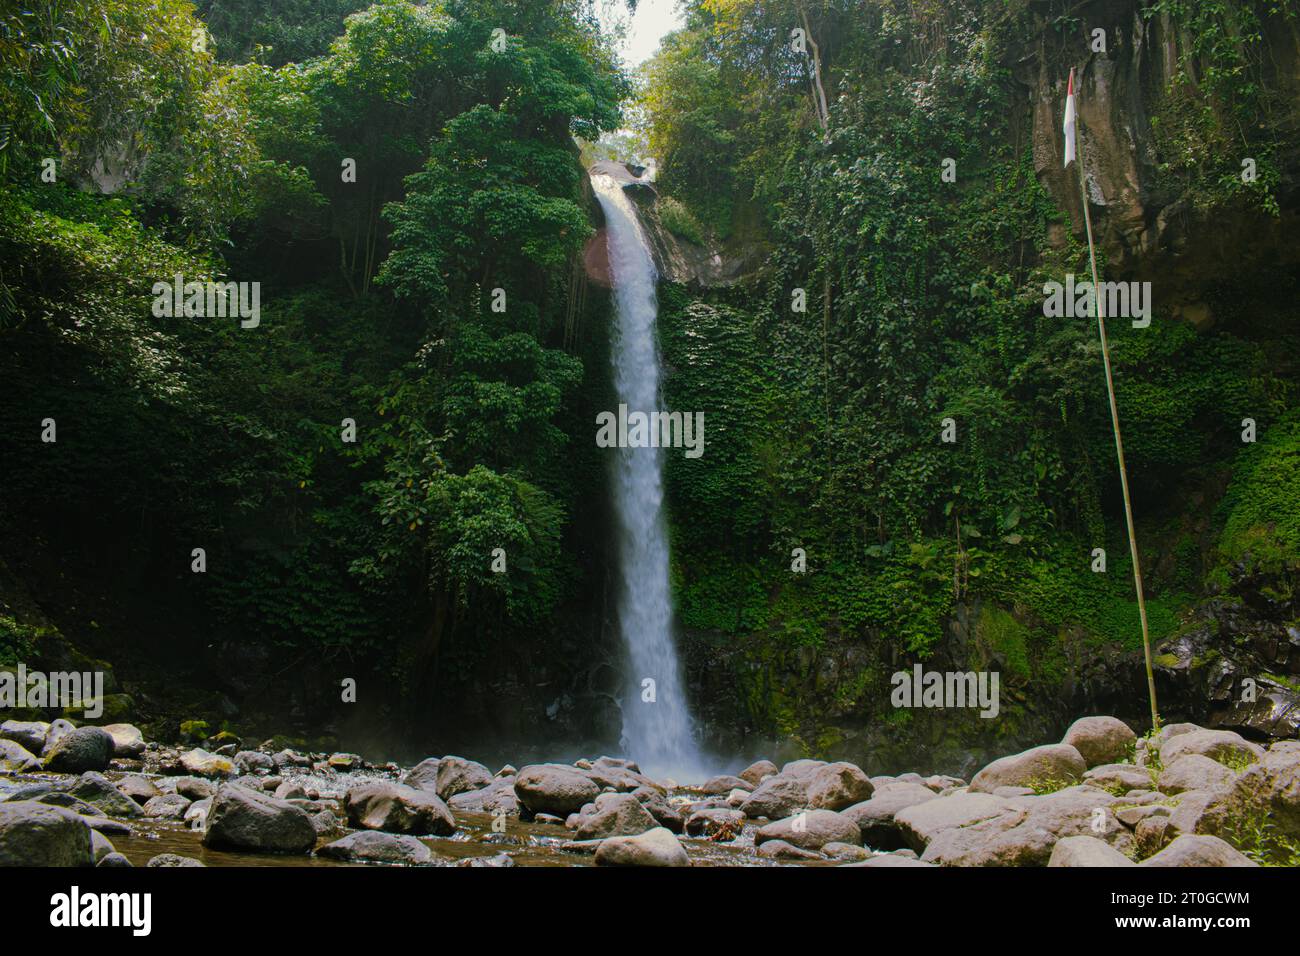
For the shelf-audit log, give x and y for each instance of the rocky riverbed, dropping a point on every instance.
(103, 796)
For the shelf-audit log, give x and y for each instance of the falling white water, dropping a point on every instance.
(656, 734)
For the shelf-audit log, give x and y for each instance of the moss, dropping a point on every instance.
(1006, 638)
(194, 730)
(1261, 522)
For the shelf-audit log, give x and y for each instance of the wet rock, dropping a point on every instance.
(243, 819)
(1086, 851)
(35, 834)
(128, 741)
(615, 814)
(290, 790)
(196, 788)
(888, 860)
(196, 814)
(776, 797)
(97, 790)
(501, 860)
(1222, 745)
(714, 820)
(28, 734)
(1101, 740)
(79, 750)
(114, 861)
(344, 762)
(619, 775)
(458, 775)
(554, 788)
(665, 814)
(290, 758)
(201, 763)
(168, 806)
(253, 761)
(398, 809)
(423, 776)
(1193, 850)
(173, 859)
(371, 846)
(550, 819)
(846, 851)
(875, 817)
(725, 784)
(100, 846)
(1052, 763)
(138, 788)
(756, 771)
(496, 797)
(16, 758)
(836, 786)
(781, 850)
(1195, 771)
(657, 847)
(811, 830)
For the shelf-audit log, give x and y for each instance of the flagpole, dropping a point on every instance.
(1114, 421)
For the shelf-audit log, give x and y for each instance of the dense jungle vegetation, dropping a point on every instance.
(226, 128)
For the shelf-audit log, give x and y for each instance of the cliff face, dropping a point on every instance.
(1128, 98)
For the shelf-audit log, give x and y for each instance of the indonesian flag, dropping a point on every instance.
(1069, 122)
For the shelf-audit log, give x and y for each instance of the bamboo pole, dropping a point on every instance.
(1114, 421)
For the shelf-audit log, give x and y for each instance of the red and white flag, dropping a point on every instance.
(1069, 121)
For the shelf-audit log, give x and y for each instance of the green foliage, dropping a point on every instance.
(1261, 521)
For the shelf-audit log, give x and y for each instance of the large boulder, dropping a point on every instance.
(243, 819)
(28, 734)
(1194, 772)
(458, 775)
(1027, 835)
(167, 806)
(724, 784)
(615, 814)
(424, 775)
(657, 847)
(1226, 747)
(875, 817)
(554, 788)
(756, 771)
(812, 830)
(1268, 789)
(1198, 850)
(776, 797)
(837, 786)
(621, 775)
(372, 846)
(139, 788)
(496, 797)
(34, 834)
(59, 728)
(398, 809)
(802, 768)
(1049, 764)
(16, 758)
(1101, 740)
(1086, 851)
(922, 822)
(79, 750)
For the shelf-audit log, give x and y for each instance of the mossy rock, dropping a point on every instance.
(117, 709)
(195, 730)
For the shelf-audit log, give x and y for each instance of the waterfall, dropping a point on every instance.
(656, 734)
